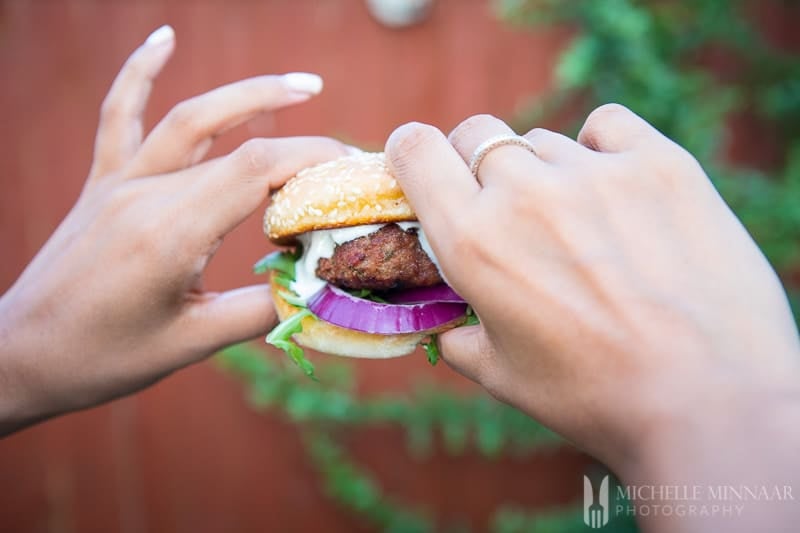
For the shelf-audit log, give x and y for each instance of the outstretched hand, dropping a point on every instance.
(114, 300)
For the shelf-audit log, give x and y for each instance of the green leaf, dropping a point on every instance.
(292, 298)
(432, 350)
(367, 294)
(472, 318)
(284, 281)
(280, 261)
(281, 337)
(575, 67)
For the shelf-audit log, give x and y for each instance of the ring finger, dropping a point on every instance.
(499, 162)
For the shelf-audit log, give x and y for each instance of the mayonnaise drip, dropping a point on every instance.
(321, 244)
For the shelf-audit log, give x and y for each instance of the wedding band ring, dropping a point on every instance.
(491, 143)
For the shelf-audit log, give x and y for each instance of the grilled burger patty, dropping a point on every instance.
(388, 259)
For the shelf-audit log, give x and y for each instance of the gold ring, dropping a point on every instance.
(491, 143)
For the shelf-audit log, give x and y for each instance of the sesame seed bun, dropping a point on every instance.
(349, 191)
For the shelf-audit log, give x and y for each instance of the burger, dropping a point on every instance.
(359, 278)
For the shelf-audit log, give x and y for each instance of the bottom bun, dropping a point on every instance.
(327, 338)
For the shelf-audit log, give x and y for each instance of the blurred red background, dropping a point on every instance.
(189, 454)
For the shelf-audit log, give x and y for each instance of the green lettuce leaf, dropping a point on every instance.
(283, 280)
(292, 298)
(432, 350)
(281, 338)
(282, 262)
(367, 294)
(472, 318)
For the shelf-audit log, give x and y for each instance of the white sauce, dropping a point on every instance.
(321, 244)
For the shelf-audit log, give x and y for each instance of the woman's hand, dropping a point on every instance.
(621, 302)
(114, 301)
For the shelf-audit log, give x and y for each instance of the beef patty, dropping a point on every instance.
(388, 259)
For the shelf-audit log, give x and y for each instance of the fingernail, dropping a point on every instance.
(303, 82)
(161, 35)
(353, 150)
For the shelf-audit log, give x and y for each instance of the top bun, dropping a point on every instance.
(349, 191)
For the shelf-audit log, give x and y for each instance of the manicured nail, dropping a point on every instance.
(161, 35)
(303, 82)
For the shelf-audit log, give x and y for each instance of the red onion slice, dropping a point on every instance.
(436, 293)
(336, 306)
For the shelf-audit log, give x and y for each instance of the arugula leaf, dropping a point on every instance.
(280, 261)
(472, 318)
(292, 298)
(283, 280)
(367, 294)
(432, 350)
(281, 338)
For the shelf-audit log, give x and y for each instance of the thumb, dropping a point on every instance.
(440, 188)
(230, 317)
(468, 351)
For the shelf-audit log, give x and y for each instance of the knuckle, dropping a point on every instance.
(464, 131)
(673, 164)
(537, 134)
(608, 111)
(110, 109)
(253, 157)
(183, 117)
(135, 68)
(407, 140)
(601, 123)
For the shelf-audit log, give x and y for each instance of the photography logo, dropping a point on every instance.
(595, 510)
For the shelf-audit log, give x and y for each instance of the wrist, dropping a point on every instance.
(719, 425)
(18, 405)
(745, 436)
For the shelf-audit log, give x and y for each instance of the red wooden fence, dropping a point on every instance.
(188, 454)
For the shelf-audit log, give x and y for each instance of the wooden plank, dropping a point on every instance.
(187, 455)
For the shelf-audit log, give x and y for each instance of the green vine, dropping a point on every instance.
(325, 407)
(648, 56)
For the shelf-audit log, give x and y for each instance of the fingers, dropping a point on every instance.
(119, 133)
(224, 319)
(184, 136)
(555, 148)
(614, 128)
(235, 185)
(501, 162)
(468, 351)
(432, 174)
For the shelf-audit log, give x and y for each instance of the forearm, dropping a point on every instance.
(730, 465)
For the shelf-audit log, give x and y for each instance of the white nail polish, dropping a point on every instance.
(303, 82)
(161, 35)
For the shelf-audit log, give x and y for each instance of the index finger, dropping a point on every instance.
(234, 186)
(433, 176)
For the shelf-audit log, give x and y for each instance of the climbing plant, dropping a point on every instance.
(653, 58)
(648, 56)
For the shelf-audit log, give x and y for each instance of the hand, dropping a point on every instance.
(621, 302)
(114, 300)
